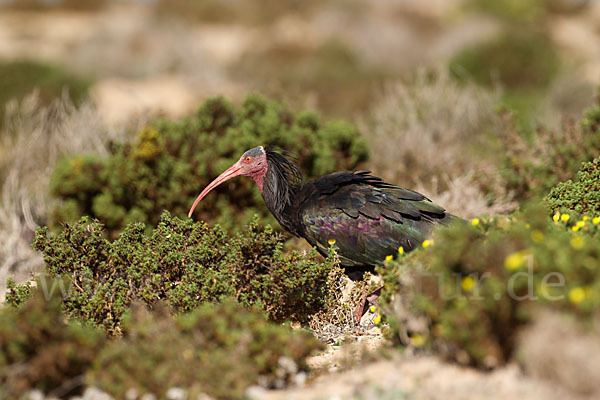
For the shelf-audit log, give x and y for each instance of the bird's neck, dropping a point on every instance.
(278, 193)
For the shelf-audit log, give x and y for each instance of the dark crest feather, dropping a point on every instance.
(284, 168)
(285, 179)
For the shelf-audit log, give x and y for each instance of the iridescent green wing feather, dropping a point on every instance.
(367, 218)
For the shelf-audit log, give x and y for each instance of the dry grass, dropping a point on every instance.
(32, 139)
(337, 317)
(463, 195)
(436, 135)
(336, 320)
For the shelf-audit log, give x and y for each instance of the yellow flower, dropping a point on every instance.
(580, 224)
(577, 295)
(377, 319)
(417, 340)
(577, 242)
(400, 250)
(514, 261)
(565, 217)
(575, 228)
(389, 258)
(372, 309)
(537, 236)
(475, 221)
(596, 220)
(467, 283)
(556, 217)
(331, 242)
(586, 218)
(427, 243)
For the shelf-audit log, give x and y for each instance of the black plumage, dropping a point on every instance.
(364, 217)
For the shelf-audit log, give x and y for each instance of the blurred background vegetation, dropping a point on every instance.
(119, 109)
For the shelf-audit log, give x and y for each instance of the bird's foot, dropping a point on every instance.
(366, 301)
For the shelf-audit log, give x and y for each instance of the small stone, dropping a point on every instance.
(287, 366)
(92, 393)
(131, 394)
(35, 395)
(176, 393)
(255, 392)
(300, 379)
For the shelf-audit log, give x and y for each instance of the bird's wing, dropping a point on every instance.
(368, 218)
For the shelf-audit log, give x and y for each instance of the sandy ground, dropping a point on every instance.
(421, 377)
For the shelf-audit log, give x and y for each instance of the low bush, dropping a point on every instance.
(534, 166)
(214, 350)
(217, 350)
(477, 285)
(171, 162)
(19, 78)
(46, 5)
(520, 58)
(513, 11)
(582, 195)
(17, 295)
(39, 349)
(262, 12)
(183, 264)
(331, 75)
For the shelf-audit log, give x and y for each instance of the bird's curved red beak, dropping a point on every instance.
(231, 172)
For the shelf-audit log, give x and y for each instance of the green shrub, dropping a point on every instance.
(20, 78)
(171, 162)
(236, 11)
(533, 167)
(17, 295)
(473, 287)
(513, 11)
(581, 196)
(39, 349)
(215, 350)
(332, 74)
(184, 264)
(39, 5)
(517, 59)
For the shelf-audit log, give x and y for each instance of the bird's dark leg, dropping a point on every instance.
(366, 301)
(357, 274)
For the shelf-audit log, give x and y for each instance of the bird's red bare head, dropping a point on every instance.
(252, 163)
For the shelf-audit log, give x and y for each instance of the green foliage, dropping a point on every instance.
(523, 60)
(478, 284)
(216, 11)
(517, 59)
(532, 167)
(170, 162)
(337, 80)
(184, 264)
(216, 350)
(39, 349)
(20, 78)
(513, 11)
(16, 295)
(38, 5)
(581, 196)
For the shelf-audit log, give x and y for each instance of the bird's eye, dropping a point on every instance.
(248, 159)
